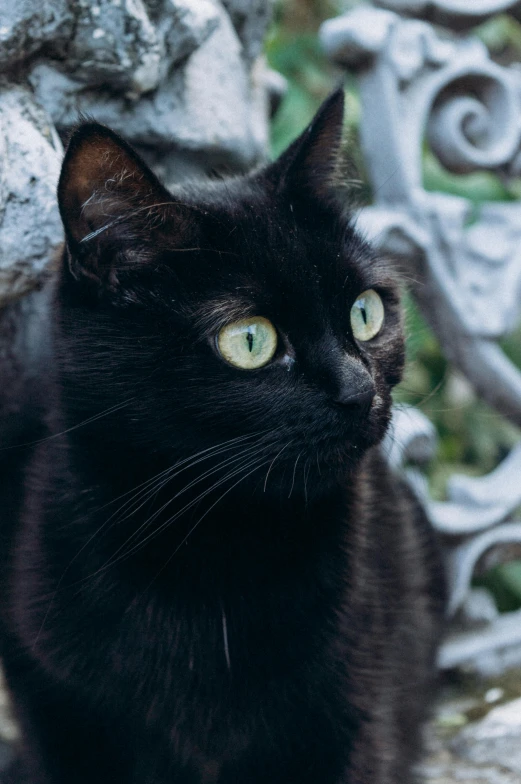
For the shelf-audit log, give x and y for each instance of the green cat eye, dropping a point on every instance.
(367, 315)
(249, 343)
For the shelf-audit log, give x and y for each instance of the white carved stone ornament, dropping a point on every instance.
(419, 85)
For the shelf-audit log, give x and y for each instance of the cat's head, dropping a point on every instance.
(247, 308)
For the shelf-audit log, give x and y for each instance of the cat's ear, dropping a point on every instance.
(310, 165)
(106, 193)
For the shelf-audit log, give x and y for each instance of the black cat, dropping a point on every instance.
(213, 575)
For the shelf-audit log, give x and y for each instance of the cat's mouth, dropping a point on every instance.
(308, 467)
(340, 442)
(348, 428)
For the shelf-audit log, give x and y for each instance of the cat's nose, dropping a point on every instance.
(355, 387)
(359, 400)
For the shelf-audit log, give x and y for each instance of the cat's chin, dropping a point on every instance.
(313, 472)
(334, 466)
(347, 446)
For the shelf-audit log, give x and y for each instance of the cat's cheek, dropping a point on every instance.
(378, 419)
(387, 361)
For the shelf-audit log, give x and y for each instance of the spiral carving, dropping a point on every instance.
(474, 122)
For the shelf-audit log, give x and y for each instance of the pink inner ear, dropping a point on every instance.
(101, 179)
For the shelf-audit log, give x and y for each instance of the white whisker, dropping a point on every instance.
(294, 471)
(272, 462)
(225, 639)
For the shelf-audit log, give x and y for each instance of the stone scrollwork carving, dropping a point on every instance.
(474, 120)
(419, 85)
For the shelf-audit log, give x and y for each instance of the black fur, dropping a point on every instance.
(213, 576)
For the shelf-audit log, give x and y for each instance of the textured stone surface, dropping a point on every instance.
(250, 17)
(115, 43)
(495, 740)
(444, 767)
(473, 737)
(185, 25)
(30, 228)
(485, 750)
(209, 105)
(181, 79)
(27, 25)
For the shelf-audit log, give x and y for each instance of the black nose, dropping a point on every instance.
(358, 401)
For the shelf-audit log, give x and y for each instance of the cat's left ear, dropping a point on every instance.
(106, 195)
(310, 165)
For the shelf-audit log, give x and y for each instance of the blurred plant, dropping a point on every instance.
(292, 48)
(472, 437)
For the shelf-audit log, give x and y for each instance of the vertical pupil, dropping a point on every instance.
(249, 338)
(364, 314)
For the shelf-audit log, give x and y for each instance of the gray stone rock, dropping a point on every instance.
(495, 740)
(185, 25)
(30, 226)
(115, 42)
(212, 105)
(25, 27)
(250, 19)
(106, 41)
(483, 751)
(180, 79)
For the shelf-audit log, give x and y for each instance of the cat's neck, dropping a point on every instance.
(155, 519)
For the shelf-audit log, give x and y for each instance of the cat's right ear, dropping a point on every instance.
(310, 166)
(106, 194)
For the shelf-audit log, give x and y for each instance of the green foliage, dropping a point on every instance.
(292, 48)
(502, 36)
(504, 581)
(472, 438)
(477, 186)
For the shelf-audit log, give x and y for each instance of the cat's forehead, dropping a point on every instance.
(266, 233)
(263, 253)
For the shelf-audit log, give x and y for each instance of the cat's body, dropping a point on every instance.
(213, 577)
